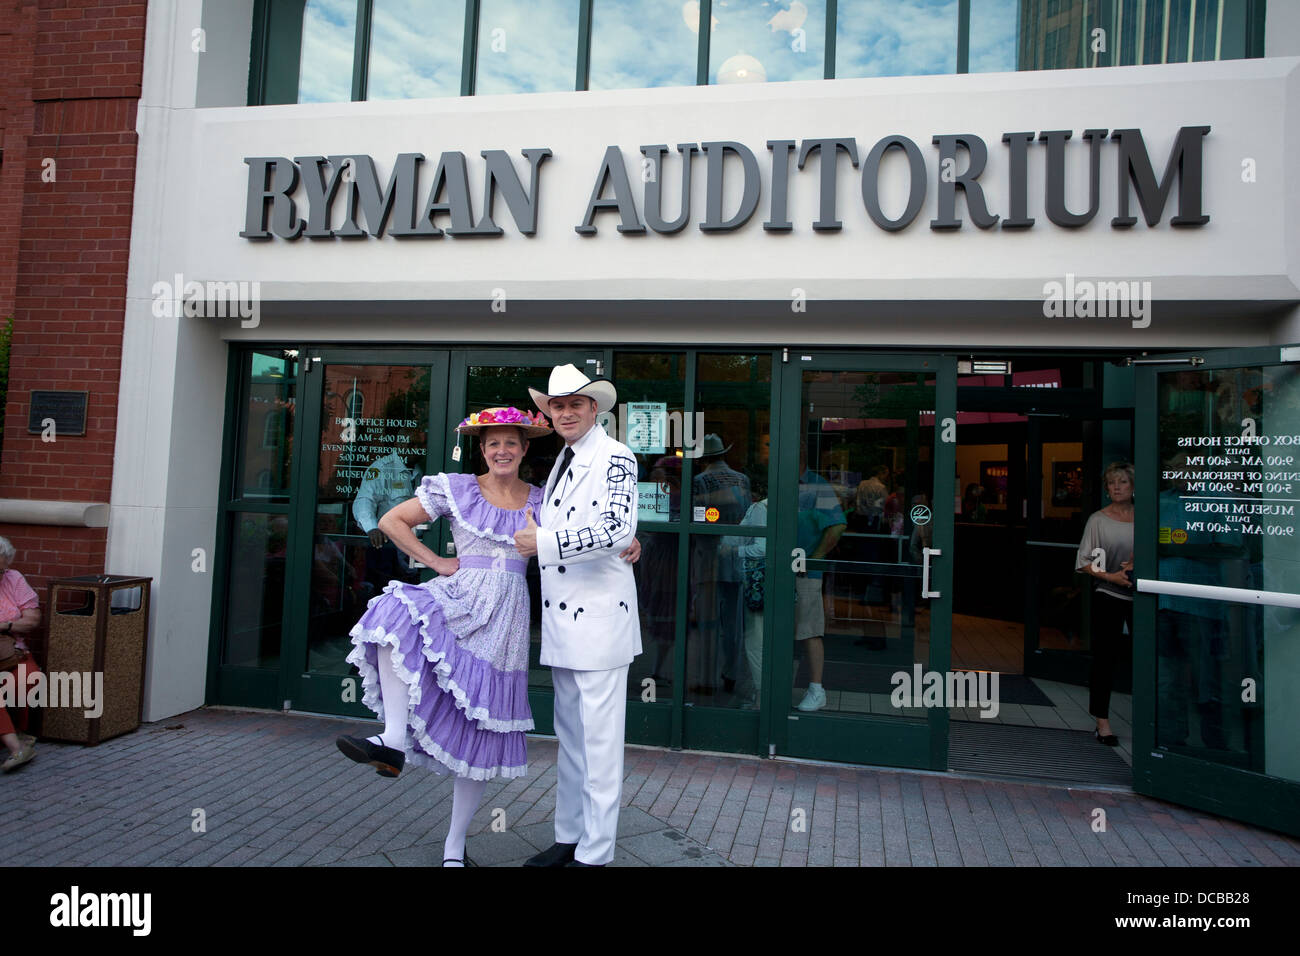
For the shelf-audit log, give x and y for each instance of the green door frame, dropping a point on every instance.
(226, 683)
(854, 738)
(301, 689)
(1158, 772)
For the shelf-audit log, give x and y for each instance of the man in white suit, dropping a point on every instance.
(591, 629)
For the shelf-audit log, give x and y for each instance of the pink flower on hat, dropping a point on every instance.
(510, 416)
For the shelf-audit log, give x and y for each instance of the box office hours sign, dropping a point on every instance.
(1229, 481)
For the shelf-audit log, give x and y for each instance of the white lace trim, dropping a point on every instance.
(444, 485)
(436, 758)
(371, 696)
(442, 673)
(443, 760)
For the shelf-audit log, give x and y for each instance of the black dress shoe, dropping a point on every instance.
(559, 854)
(1110, 740)
(580, 863)
(386, 761)
(463, 861)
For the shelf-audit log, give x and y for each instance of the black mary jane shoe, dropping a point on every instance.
(464, 862)
(1110, 740)
(557, 854)
(386, 761)
(580, 863)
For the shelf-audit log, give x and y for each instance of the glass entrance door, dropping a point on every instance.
(376, 422)
(862, 571)
(1217, 616)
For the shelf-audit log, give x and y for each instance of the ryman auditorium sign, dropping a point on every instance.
(396, 207)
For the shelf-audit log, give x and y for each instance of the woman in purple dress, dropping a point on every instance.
(453, 652)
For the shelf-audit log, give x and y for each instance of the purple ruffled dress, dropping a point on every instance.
(462, 641)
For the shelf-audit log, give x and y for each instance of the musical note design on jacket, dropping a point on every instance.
(578, 540)
(615, 521)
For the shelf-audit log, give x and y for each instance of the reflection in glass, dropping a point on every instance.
(415, 49)
(895, 37)
(527, 46)
(1227, 517)
(756, 41)
(635, 44)
(345, 575)
(367, 466)
(729, 487)
(751, 552)
(734, 394)
(266, 442)
(256, 583)
(329, 30)
(993, 33)
(717, 668)
(1072, 34)
(864, 464)
(656, 590)
(656, 382)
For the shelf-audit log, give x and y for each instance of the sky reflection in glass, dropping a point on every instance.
(415, 49)
(767, 40)
(527, 46)
(895, 37)
(993, 36)
(639, 44)
(329, 29)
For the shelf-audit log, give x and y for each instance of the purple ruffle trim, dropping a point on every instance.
(463, 714)
(471, 509)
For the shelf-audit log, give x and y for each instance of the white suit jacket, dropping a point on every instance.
(589, 612)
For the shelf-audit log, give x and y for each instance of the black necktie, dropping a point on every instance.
(564, 466)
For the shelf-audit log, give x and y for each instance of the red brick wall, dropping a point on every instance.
(70, 73)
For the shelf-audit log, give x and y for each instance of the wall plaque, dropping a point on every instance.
(68, 409)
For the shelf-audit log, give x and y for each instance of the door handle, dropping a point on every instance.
(925, 572)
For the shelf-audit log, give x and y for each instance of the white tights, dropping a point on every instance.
(465, 800)
(467, 793)
(396, 701)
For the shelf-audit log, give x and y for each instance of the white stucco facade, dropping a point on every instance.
(1233, 281)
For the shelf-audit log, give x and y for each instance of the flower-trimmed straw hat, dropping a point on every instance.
(533, 426)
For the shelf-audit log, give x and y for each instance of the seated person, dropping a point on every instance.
(20, 615)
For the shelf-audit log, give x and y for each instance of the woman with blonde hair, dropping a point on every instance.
(1106, 554)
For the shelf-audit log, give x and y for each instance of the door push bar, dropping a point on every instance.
(925, 571)
(1215, 593)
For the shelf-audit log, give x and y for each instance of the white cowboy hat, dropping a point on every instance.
(567, 380)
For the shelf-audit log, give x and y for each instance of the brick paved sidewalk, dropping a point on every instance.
(274, 791)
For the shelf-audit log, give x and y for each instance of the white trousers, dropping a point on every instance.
(590, 713)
